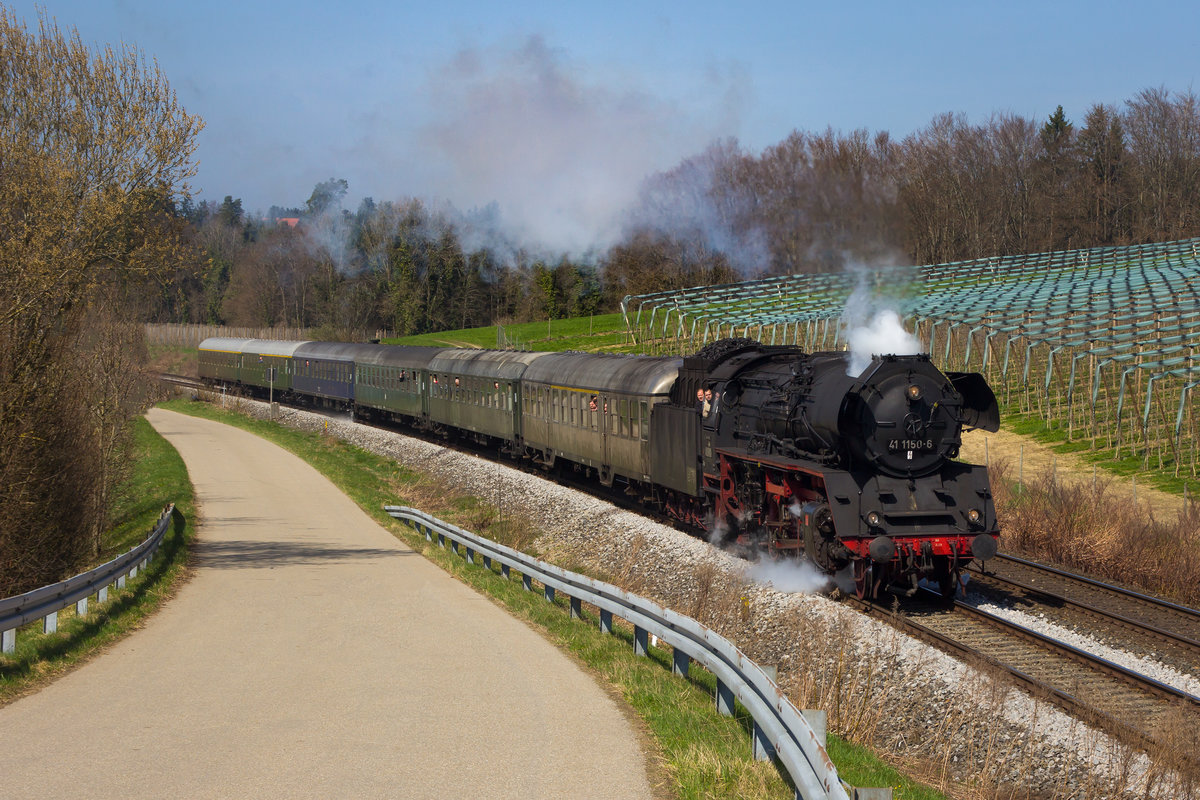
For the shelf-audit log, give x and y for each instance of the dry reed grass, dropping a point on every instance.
(1090, 529)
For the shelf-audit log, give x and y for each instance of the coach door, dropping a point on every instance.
(607, 417)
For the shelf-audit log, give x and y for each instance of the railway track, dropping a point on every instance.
(1119, 698)
(181, 380)
(1143, 624)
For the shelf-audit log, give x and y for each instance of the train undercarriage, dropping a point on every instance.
(777, 512)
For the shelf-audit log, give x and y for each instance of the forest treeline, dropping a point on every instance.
(951, 191)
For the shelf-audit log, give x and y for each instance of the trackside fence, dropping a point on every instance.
(45, 603)
(780, 730)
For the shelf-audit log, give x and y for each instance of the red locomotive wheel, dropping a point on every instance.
(864, 576)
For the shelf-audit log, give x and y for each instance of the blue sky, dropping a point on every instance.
(557, 110)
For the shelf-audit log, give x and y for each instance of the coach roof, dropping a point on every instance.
(607, 371)
(505, 364)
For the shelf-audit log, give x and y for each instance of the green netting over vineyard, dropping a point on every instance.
(1103, 342)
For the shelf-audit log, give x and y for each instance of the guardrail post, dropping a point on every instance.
(679, 663)
(428, 532)
(818, 721)
(470, 556)
(102, 595)
(763, 749)
(441, 540)
(504, 570)
(454, 546)
(487, 562)
(640, 643)
(869, 794)
(527, 582)
(724, 699)
(576, 608)
(549, 593)
(605, 621)
(8, 641)
(50, 622)
(81, 607)
(121, 582)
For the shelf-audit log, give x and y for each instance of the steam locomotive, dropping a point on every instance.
(768, 447)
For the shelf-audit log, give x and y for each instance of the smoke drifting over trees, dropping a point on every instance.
(813, 202)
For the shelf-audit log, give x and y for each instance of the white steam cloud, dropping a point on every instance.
(561, 156)
(789, 575)
(873, 325)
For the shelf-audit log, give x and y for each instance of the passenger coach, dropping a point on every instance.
(594, 409)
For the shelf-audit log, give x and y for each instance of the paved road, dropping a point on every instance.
(313, 655)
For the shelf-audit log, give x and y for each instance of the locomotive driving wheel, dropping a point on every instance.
(947, 581)
(864, 576)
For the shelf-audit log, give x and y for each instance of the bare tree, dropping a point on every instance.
(94, 152)
(1164, 148)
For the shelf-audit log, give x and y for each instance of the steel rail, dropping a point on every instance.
(1131, 677)
(1068, 602)
(1158, 601)
(780, 728)
(1037, 687)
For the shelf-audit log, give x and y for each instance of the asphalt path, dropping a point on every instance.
(314, 655)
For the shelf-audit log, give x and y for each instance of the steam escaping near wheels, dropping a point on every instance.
(792, 576)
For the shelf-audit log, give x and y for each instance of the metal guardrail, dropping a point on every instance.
(780, 730)
(46, 602)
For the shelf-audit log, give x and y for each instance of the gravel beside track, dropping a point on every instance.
(938, 710)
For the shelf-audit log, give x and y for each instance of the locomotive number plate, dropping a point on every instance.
(916, 445)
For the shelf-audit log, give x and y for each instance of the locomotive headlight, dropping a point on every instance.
(874, 520)
(974, 515)
(914, 392)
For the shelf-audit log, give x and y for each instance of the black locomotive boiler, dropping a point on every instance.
(774, 448)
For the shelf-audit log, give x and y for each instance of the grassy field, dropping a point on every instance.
(602, 333)
(701, 753)
(159, 477)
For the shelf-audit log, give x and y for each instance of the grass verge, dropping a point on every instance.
(159, 477)
(701, 753)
